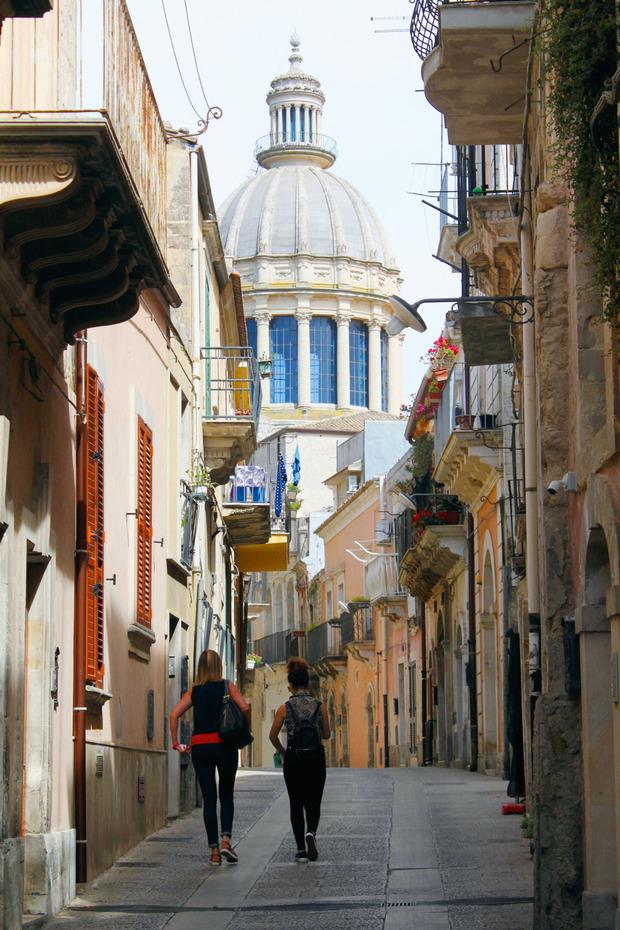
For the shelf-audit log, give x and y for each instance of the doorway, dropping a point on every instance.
(488, 622)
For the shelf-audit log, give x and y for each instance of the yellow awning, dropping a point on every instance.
(271, 556)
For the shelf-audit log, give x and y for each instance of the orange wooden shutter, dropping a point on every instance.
(95, 529)
(145, 524)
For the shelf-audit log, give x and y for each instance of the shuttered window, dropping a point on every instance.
(94, 529)
(145, 523)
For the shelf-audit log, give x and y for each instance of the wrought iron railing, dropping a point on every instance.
(189, 511)
(277, 647)
(403, 533)
(424, 27)
(357, 627)
(322, 641)
(232, 382)
(319, 142)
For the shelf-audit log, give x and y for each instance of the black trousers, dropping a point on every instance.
(207, 758)
(305, 781)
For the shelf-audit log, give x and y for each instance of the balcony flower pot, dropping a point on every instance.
(465, 421)
(487, 420)
(200, 492)
(440, 375)
(448, 517)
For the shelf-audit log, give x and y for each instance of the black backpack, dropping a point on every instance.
(306, 738)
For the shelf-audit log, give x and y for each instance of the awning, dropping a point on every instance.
(272, 556)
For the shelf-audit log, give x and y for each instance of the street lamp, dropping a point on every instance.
(405, 315)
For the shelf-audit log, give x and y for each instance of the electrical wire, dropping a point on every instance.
(176, 59)
(191, 39)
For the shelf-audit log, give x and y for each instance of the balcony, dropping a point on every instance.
(323, 649)
(474, 66)
(269, 556)
(321, 149)
(82, 168)
(357, 631)
(232, 408)
(278, 647)
(491, 244)
(466, 444)
(383, 586)
(436, 542)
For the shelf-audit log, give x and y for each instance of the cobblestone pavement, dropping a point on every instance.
(422, 849)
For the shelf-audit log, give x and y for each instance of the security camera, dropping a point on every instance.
(567, 483)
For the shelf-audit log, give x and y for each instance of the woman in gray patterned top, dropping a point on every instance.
(307, 724)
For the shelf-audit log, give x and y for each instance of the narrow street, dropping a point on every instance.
(420, 848)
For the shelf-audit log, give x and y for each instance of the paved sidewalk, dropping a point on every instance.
(422, 849)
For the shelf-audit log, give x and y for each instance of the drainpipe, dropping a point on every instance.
(79, 629)
(426, 756)
(530, 440)
(195, 263)
(471, 646)
(386, 727)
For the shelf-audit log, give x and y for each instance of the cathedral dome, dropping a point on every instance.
(301, 209)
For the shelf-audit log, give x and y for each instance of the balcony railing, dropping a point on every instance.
(277, 647)
(357, 627)
(322, 641)
(232, 384)
(320, 143)
(451, 406)
(92, 69)
(381, 577)
(424, 27)
(403, 533)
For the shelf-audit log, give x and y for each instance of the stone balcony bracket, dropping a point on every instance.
(491, 244)
(74, 233)
(469, 460)
(226, 443)
(438, 552)
(363, 650)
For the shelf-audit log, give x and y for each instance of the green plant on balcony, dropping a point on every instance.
(441, 357)
(199, 479)
(295, 505)
(253, 660)
(579, 42)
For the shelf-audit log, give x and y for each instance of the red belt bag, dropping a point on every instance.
(200, 739)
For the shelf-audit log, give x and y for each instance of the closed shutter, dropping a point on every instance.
(145, 525)
(94, 529)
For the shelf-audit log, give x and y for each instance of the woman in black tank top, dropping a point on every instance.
(209, 752)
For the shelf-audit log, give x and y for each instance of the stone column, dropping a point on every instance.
(343, 391)
(278, 125)
(297, 122)
(273, 126)
(374, 365)
(303, 318)
(395, 373)
(289, 110)
(317, 122)
(310, 124)
(262, 318)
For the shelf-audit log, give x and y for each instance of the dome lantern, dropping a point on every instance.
(295, 107)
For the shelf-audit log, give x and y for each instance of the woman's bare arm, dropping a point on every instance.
(237, 697)
(276, 726)
(326, 729)
(177, 711)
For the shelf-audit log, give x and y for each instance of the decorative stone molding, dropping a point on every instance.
(141, 638)
(432, 558)
(491, 244)
(27, 177)
(467, 463)
(96, 697)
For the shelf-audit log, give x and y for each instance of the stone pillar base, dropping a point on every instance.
(49, 873)
(599, 910)
(11, 882)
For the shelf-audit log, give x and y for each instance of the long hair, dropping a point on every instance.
(297, 669)
(209, 667)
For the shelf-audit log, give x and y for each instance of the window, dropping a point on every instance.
(283, 349)
(252, 338)
(322, 360)
(94, 528)
(384, 370)
(145, 524)
(358, 363)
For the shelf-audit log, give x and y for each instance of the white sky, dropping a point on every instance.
(380, 124)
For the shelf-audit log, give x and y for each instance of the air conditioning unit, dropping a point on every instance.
(383, 532)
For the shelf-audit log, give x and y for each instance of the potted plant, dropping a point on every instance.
(292, 490)
(441, 357)
(294, 505)
(200, 481)
(253, 660)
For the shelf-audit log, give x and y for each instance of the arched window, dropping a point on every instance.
(283, 350)
(358, 363)
(322, 360)
(384, 370)
(252, 341)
